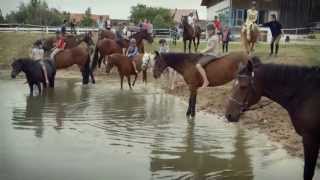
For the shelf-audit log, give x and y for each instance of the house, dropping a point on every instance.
(291, 13)
(78, 17)
(178, 13)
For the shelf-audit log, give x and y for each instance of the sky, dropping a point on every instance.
(117, 9)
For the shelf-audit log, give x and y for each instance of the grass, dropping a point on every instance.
(18, 44)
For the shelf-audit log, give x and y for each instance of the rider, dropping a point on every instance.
(132, 52)
(217, 25)
(107, 23)
(250, 24)
(63, 29)
(59, 45)
(191, 20)
(73, 26)
(209, 54)
(37, 52)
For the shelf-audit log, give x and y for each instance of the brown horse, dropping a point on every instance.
(125, 67)
(249, 44)
(106, 34)
(107, 47)
(294, 88)
(190, 34)
(70, 40)
(220, 71)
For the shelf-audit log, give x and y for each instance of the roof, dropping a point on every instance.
(178, 13)
(209, 2)
(78, 16)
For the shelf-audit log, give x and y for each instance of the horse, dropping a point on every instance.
(108, 34)
(249, 44)
(219, 71)
(70, 40)
(34, 71)
(294, 88)
(106, 47)
(125, 67)
(190, 34)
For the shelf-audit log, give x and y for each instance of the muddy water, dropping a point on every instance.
(99, 132)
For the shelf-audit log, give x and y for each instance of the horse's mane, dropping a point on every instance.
(291, 75)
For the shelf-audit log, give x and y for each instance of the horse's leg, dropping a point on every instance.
(189, 106)
(193, 103)
(92, 77)
(189, 46)
(135, 78)
(129, 81)
(311, 150)
(185, 45)
(39, 87)
(194, 44)
(31, 89)
(121, 81)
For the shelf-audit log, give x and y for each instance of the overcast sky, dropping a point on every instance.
(119, 9)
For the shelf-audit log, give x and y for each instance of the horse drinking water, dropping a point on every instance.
(295, 88)
(219, 71)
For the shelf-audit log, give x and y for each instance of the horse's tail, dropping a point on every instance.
(86, 71)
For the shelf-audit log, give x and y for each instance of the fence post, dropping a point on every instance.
(47, 29)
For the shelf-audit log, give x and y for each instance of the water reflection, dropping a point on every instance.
(54, 106)
(192, 162)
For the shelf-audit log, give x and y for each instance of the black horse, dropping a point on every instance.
(35, 72)
(295, 88)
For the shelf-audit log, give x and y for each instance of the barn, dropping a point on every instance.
(291, 13)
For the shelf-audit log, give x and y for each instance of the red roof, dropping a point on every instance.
(78, 16)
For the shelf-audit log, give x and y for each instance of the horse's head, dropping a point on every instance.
(246, 91)
(184, 20)
(146, 60)
(159, 66)
(16, 67)
(147, 36)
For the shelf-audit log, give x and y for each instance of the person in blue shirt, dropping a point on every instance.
(132, 52)
(276, 32)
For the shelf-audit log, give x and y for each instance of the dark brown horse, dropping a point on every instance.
(190, 34)
(107, 47)
(219, 71)
(249, 44)
(294, 88)
(125, 67)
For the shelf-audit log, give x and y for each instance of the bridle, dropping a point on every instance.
(244, 105)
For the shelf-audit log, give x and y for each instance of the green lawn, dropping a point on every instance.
(19, 44)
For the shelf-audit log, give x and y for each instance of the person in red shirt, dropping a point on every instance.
(218, 26)
(59, 45)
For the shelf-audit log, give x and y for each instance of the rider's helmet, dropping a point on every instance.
(254, 3)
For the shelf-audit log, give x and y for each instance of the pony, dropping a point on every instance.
(190, 34)
(34, 71)
(107, 47)
(249, 44)
(294, 88)
(125, 67)
(219, 71)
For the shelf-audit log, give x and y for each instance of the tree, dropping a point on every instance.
(160, 17)
(1, 17)
(37, 12)
(87, 19)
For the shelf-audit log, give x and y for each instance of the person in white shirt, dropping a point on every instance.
(37, 53)
(191, 20)
(108, 23)
(208, 55)
(100, 23)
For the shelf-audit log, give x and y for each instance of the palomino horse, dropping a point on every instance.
(220, 71)
(107, 47)
(294, 88)
(249, 44)
(71, 41)
(79, 56)
(125, 67)
(190, 34)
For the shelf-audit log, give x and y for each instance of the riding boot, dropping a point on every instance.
(277, 49)
(271, 47)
